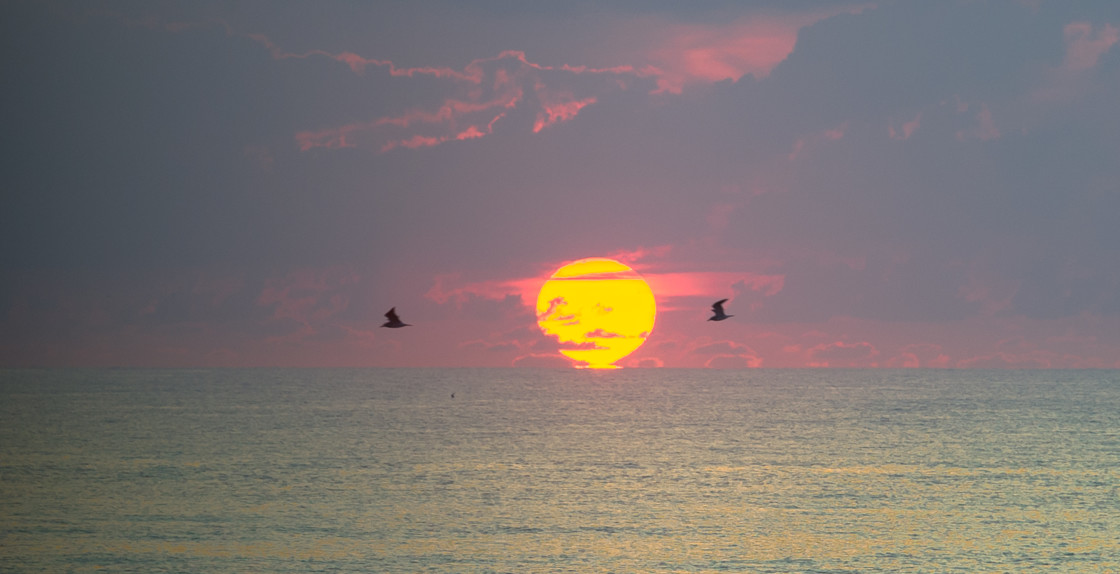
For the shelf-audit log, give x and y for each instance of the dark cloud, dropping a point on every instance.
(602, 334)
(733, 362)
(543, 361)
(843, 352)
(933, 164)
(721, 347)
(498, 347)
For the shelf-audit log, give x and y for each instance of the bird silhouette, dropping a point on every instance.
(394, 322)
(717, 311)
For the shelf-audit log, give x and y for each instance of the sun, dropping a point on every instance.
(598, 309)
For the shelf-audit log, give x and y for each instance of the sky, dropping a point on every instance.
(870, 184)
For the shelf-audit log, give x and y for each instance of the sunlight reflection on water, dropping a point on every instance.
(575, 471)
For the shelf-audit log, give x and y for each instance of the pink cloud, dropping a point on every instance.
(308, 294)
(633, 257)
(681, 54)
(524, 339)
(359, 64)
(543, 361)
(841, 354)
(920, 355)
(711, 283)
(961, 105)
(985, 129)
(421, 141)
(733, 362)
(834, 134)
(695, 53)
(726, 355)
(473, 132)
(1083, 47)
(493, 347)
(1023, 352)
(645, 363)
(449, 114)
(553, 307)
(907, 130)
(796, 150)
(603, 334)
(687, 54)
(720, 215)
(666, 286)
(450, 287)
(674, 55)
(581, 346)
(992, 293)
(557, 107)
(768, 285)
(722, 348)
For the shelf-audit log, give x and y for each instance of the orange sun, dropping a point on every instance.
(598, 309)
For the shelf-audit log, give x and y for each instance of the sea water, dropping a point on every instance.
(515, 470)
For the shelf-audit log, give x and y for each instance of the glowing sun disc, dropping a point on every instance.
(598, 309)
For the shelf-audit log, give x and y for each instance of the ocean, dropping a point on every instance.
(520, 470)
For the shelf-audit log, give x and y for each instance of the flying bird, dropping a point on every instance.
(717, 311)
(394, 322)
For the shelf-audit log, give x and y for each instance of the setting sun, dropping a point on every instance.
(598, 309)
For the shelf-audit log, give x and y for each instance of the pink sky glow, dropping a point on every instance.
(883, 185)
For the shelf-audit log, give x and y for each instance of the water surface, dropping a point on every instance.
(382, 470)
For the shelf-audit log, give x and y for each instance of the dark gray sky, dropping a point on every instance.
(256, 183)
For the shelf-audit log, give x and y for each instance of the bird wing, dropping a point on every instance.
(392, 316)
(718, 306)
